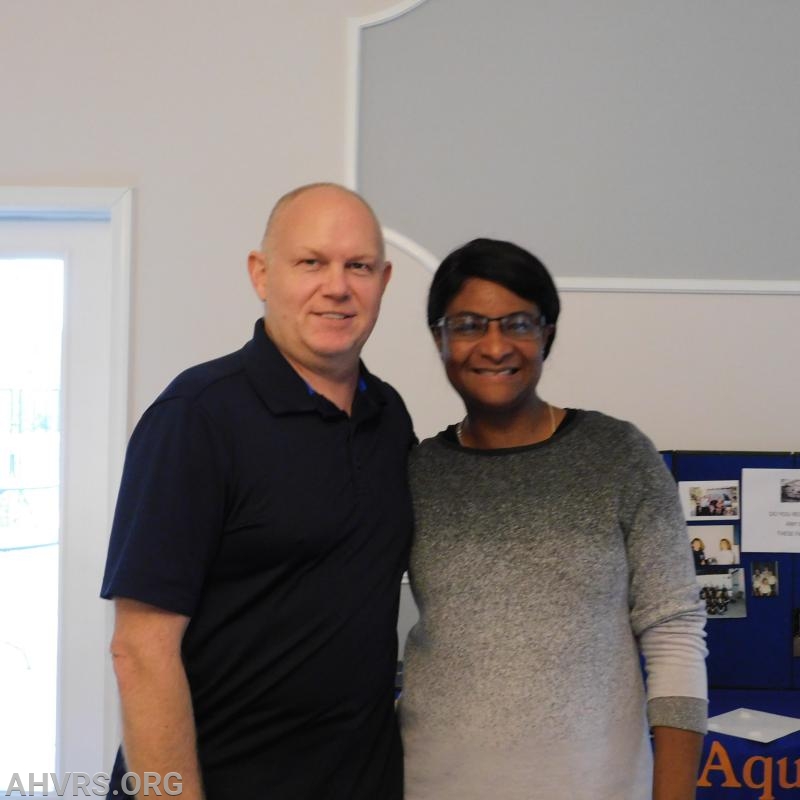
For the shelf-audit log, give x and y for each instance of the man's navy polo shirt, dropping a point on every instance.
(281, 526)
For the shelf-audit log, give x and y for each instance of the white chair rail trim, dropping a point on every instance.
(620, 285)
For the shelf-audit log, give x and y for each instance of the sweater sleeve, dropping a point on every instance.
(667, 615)
(676, 676)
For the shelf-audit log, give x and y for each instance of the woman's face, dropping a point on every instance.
(724, 544)
(495, 371)
(697, 544)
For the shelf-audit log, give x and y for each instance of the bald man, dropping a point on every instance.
(260, 537)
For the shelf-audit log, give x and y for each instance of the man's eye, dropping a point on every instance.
(360, 266)
(310, 262)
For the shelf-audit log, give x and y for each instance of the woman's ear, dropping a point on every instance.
(548, 335)
(440, 343)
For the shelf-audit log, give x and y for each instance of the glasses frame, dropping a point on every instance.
(540, 325)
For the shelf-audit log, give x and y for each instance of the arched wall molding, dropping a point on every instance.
(419, 253)
(388, 14)
(606, 284)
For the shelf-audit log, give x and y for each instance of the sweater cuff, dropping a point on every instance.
(687, 713)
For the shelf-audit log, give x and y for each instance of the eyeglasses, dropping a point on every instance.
(519, 325)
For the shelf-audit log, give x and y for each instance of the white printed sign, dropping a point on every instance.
(771, 510)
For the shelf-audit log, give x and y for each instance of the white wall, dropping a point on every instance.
(695, 371)
(209, 110)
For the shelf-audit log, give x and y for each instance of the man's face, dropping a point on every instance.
(322, 276)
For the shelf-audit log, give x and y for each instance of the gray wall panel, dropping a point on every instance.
(627, 138)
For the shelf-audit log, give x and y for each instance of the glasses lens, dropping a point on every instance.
(521, 325)
(467, 326)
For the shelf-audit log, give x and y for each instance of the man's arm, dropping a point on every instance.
(677, 761)
(158, 728)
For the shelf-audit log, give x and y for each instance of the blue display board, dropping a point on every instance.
(753, 651)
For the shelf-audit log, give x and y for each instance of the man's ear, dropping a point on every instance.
(257, 267)
(387, 274)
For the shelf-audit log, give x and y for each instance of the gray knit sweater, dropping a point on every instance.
(541, 573)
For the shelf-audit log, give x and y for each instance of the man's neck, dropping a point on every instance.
(334, 378)
(338, 387)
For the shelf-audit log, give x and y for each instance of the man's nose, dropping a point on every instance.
(337, 281)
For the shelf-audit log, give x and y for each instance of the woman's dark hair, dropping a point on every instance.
(500, 262)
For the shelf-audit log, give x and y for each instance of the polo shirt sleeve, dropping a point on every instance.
(170, 510)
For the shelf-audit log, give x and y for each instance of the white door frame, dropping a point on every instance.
(88, 729)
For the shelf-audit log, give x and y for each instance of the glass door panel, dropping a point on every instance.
(31, 312)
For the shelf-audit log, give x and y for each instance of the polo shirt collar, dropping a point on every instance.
(284, 391)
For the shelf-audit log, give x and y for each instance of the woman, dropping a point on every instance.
(550, 549)
(699, 553)
(726, 553)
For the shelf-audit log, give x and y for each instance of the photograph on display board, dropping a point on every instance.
(790, 490)
(724, 593)
(764, 579)
(714, 545)
(707, 500)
